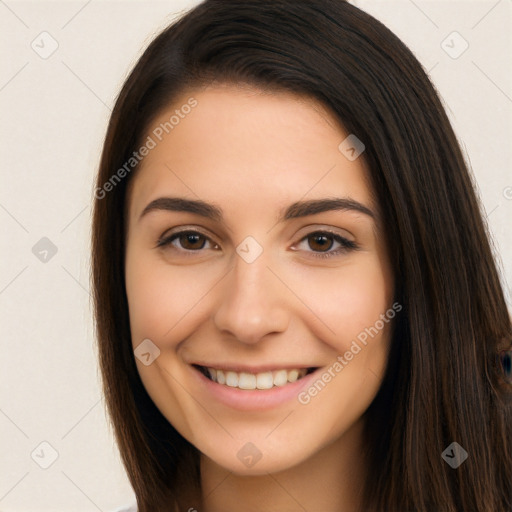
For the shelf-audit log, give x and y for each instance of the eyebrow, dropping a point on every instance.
(294, 211)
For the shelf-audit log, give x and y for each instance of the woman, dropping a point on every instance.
(297, 305)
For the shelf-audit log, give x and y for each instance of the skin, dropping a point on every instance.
(287, 306)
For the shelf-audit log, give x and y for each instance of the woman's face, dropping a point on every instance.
(238, 268)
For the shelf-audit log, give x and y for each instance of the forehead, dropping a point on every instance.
(241, 146)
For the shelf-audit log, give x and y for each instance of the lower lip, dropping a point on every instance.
(253, 399)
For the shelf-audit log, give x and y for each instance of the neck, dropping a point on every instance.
(330, 480)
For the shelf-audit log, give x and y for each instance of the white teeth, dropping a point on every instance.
(293, 375)
(280, 378)
(232, 379)
(221, 378)
(247, 381)
(264, 380)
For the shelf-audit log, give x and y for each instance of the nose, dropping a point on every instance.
(252, 302)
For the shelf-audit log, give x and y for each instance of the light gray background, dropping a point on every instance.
(54, 115)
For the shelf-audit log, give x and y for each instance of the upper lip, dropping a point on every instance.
(230, 367)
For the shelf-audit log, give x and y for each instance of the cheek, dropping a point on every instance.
(151, 301)
(356, 302)
(161, 298)
(349, 300)
(147, 296)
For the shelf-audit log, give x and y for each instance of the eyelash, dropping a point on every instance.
(346, 245)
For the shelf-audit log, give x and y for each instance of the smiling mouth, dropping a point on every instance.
(253, 381)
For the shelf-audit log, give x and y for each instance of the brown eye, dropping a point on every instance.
(186, 241)
(192, 241)
(320, 241)
(324, 244)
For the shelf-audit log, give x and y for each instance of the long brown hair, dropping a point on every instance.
(443, 383)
